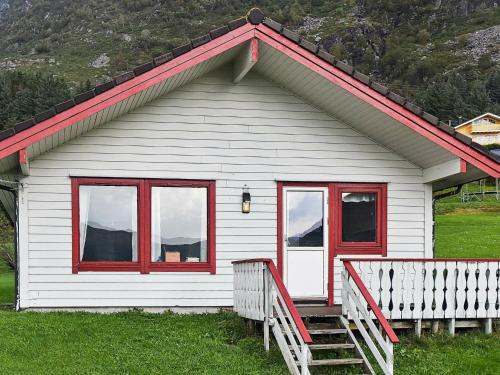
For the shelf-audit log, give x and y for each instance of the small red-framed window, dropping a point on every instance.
(114, 222)
(360, 218)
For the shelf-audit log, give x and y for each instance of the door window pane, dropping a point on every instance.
(178, 224)
(108, 223)
(305, 218)
(359, 217)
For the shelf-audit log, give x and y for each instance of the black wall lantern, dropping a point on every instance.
(245, 200)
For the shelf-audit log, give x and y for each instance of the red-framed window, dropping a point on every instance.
(359, 213)
(143, 225)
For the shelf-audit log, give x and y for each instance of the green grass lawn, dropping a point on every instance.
(6, 288)
(6, 285)
(471, 353)
(468, 233)
(131, 343)
(140, 343)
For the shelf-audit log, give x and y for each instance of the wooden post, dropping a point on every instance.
(488, 326)
(390, 356)
(435, 326)
(267, 304)
(418, 328)
(304, 370)
(251, 326)
(451, 326)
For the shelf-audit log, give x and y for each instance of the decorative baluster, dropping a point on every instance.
(398, 288)
(385, 285)
(491, 312)
(418, 285)
(450, 297)
(391, 290)
(366, 275)
(428, 291)
(461, 294)
(497, 289)
(471, 276)
(482, 293)
(408, 292)
(375, 288)
(439, 292)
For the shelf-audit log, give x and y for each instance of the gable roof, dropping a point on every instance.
(220, 40)
(487, 114)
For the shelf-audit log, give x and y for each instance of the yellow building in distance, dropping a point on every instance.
(484, 129)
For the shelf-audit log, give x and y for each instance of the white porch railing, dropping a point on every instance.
(432, 288)
(259, 294)
(356, 300)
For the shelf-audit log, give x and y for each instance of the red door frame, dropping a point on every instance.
(333, 190)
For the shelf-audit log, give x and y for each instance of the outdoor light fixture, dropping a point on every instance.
(245, 200)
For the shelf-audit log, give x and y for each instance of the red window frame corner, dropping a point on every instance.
(143, 264)
(379, 247)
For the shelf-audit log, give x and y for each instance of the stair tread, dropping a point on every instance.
(331, 346)
(331, 331)
(336, 362)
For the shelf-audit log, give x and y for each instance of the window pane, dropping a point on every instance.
(359, 217)
(178, 224)
(108, 223)
(305, 218)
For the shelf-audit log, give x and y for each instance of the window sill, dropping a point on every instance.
(181, 267)
(376, 250)
(136, 267)
(107, 266)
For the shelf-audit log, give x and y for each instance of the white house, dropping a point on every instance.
(131, 194)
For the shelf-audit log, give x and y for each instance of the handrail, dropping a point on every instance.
(466, 260)
(286, 296)
(371, 302)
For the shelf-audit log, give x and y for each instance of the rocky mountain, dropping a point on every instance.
(445, 54)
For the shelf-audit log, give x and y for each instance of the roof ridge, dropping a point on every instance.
(254, 16)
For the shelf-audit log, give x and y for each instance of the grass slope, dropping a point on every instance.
(468, 233)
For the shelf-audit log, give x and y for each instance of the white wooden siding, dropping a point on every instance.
(251, 133)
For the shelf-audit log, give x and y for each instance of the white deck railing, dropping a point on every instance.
(259, 294)
(432, 288)
(356, 302)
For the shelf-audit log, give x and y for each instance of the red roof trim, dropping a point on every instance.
(370, 96)
(125, 90)
(223, 43)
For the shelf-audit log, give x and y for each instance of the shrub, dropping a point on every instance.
(42, 47)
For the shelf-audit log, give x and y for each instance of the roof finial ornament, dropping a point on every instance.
(255, 16)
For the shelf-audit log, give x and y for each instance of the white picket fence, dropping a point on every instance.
(433, 288)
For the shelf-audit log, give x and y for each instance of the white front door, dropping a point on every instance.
(305, 241)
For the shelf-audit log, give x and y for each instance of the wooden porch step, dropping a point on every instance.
(336, 362)
(328, 331)
(331, 346)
